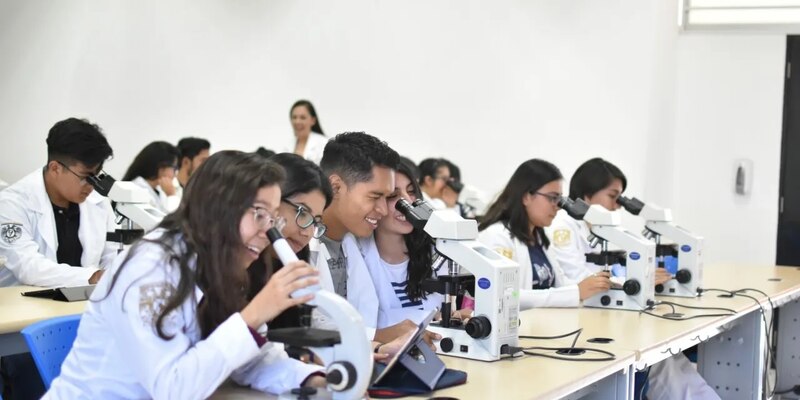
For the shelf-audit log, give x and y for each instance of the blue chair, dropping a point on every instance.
(50, 341)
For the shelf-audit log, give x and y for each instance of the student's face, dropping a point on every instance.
(72, 180)
(608, 196)
(396, 222)
(166, 172)
(361, 205)
(435, 185)
(195, 163)
(313, 204)
(302, 121)
(256, 221)
(542, 206)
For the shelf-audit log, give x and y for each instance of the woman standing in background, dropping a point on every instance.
(310, 141)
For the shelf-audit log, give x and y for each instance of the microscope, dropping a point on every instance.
(131, 203)
(688, 249)
(638, 255)
(493, 329)
(347, 353)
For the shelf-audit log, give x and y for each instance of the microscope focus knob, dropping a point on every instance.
(478, 327)
(683, 276)
(659, 288)
(631, 287)
(341, 376)
(446, 345)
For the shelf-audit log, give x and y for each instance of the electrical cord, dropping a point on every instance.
(684, 318)
(609, 356)
(768, 331)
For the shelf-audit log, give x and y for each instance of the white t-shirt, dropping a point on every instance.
(398, 278)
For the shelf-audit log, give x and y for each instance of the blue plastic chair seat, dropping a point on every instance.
(50, 341)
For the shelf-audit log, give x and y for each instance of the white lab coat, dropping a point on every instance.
(158, 199)
(570, 244)
(439, 204)
(390, 310)
(118, 354)
(360, 290)
(315, 146)
(564, 294)
(175, 200)
(31, 255)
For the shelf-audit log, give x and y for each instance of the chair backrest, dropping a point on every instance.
(50, 341)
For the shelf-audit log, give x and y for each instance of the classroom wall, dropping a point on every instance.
(729, 106)
(487, 84)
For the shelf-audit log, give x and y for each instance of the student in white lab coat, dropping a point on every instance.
(193, 152)
(400, 257)
(309, 140)
(52, 221)
(154, 170)
(305, 193)
(171, 319)
(598, 181)
(434, 173)
(360, 169)
(514, 227)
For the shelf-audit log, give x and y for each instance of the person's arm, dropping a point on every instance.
(179, 367)
(22, 252)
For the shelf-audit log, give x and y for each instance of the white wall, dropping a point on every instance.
(483, 83)
(487, 84)
(729, 106)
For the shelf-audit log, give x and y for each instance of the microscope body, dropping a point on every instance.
(346, 352)
(639, 256)
(132, 204)
(688, 248)
(495, 321)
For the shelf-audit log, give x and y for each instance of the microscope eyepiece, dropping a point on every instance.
(633, 205)
(575, 208)
(404, 207)
(102, 182)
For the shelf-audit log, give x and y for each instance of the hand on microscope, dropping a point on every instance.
(274, 297)
(593, 284)
(165, 182)
(662, 276)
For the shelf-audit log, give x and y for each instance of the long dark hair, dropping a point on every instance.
(418, 244)
(206, 229)
(593, 176)
(153, 157)
(316, 128)
(302, 176)
(529, 177)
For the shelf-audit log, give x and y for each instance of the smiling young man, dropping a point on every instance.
(361, 171)
(52, 226)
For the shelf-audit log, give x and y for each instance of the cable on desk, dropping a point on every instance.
(609, 355)
(567, 350)
(684, 318)
(577, 331)
(697, 307)
(769, 328)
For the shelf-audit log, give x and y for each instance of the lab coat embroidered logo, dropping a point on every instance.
(562, 237)
(11, 232)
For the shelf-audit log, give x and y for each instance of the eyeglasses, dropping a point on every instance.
(551, 197)
(83, 179)
(304, 219)
(264, 220)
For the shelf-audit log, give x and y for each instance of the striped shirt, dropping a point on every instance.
(398, 274)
